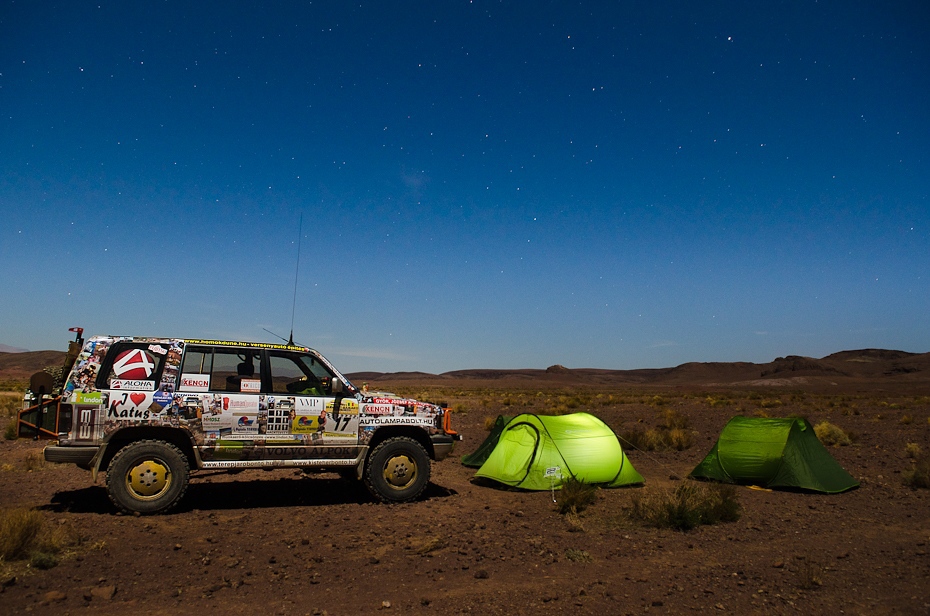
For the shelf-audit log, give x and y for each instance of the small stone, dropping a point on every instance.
(482, 574)
(385, 605)
(779, 564)
(55, 596)
(103, 592)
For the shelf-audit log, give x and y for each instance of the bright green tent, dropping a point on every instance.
(539, 452)
(773, 453)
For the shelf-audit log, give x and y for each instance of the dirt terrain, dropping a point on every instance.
(282, 542)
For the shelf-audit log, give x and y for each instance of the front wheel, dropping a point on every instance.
(147, 477)
(397, 470)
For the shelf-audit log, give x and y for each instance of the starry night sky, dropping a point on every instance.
(481, 184)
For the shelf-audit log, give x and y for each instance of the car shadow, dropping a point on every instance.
(247, 494)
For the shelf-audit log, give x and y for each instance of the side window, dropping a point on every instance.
(236, 370)
(135, 366)
(195, 371)
(293, 373)
(221, 370)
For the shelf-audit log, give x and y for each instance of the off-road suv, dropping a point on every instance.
(148, 411)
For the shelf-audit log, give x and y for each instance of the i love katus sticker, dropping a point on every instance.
(134, 364)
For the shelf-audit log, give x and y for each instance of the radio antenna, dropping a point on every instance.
(300, 228)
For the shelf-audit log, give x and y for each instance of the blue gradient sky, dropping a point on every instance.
(482, 184)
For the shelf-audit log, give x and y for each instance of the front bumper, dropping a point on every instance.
(82, 456)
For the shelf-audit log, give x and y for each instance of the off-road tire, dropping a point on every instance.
(397, 470)
(147, 477)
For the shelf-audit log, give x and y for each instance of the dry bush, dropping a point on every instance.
(10, 432)
(679, 439)
(19, 532)
(24, 536)
(575, 496)
(830, 434)
(672, 419)
(690, 505)
(34, 461)
(577, 556)
(662, 438)
(10, 405)
(919, 475)
(912, 450)
(489, 423)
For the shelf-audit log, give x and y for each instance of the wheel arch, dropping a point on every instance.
(417, 434)
(177, 437)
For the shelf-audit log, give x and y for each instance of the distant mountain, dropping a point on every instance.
(20, 366)
(872, 369)
(8, 349)
(866, 369)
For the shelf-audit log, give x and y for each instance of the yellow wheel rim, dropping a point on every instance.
(148, 479)
(400, 472)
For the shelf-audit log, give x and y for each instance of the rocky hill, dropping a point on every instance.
(865, 368)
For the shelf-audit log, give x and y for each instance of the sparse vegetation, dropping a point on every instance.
(690, 505)
(919, 475)
(912, 450)
(33, 461)
(830, 434)
(577, 556)
(575, 496)
(24, 536)
(674, 433)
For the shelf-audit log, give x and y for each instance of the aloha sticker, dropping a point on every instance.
(134, 365)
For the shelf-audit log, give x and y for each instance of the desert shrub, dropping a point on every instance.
(33, 461)
(19, 533)
(906, 420)
(575, 496)
(25, 536)
(830, 434)
(10, 433)
(690, 505)
(912, 450)
(672, 419)
(577, 556)
(489, 423)
(679, 439)
(673, 433)
(919, 475)
(10, 405)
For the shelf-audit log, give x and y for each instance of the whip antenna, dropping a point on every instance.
(300, 228)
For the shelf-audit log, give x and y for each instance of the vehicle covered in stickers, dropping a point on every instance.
(149, 411)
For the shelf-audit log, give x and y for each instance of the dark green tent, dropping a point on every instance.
(539, 452)
(773, 453)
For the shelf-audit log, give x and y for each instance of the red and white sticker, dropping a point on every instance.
(378, 409)
(134, 365)
(195, 382)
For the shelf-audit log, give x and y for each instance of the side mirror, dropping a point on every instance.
(336, 385)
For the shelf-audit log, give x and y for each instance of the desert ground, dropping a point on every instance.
(283, 542)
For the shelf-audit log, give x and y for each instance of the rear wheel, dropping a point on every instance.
(397, 470)
(147, 477)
